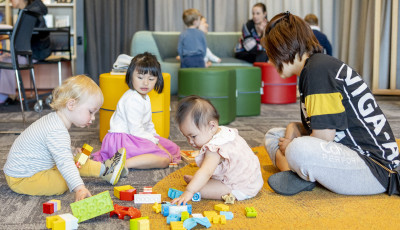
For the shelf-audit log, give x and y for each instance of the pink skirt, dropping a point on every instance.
(135, 146)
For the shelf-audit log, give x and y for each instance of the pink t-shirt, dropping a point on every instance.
(240, 168)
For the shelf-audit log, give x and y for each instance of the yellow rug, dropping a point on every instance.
(318, 209)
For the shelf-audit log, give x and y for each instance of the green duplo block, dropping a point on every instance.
(214, 84)
(93, 206)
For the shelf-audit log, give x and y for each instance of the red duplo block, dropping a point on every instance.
(127, 194)
(48, 208)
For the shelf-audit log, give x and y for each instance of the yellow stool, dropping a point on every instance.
(114, 86)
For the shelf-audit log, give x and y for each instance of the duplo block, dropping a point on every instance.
(174, 193)
(251, 212)
(118, 189)
(221, 207)
(177, 225)
(55, 222)
(228, 215)
(93, 206)
(62, 222)
(147, 198)
(48, 208)
(137, 223)
(128, 195)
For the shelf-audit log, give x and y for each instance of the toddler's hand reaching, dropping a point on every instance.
(77, 151)
(81, 192)
(183, 199)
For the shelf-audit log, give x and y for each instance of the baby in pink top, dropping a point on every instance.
(227, 164)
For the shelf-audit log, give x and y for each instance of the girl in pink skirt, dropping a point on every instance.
(131, 126)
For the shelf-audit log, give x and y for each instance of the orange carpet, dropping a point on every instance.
(318, 209)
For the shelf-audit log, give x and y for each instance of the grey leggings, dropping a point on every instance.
(333, 165)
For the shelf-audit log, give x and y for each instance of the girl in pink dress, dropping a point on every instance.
(131, 126)
(227, 163)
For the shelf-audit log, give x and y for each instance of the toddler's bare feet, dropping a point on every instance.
(187, 178)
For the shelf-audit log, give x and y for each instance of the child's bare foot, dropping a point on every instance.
(187, 178)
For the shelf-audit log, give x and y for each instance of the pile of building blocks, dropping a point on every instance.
(129, 193)
(51, 206)
(61, 222)
(92, 207)
(123, 211)
(141, 223)
(84, 155)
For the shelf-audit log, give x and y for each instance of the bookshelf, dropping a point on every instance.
(66, 13)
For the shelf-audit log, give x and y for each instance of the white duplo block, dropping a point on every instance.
(177, 210)
(147, 198)
(71, 222)
(197, 215)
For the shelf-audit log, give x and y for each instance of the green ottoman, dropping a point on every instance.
(248, 86)
(216, 85)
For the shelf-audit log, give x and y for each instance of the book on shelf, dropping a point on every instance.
(61, 21)
(121, 71)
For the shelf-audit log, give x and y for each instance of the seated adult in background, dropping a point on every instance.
(312, 20)
(249, 47)
(40, 45)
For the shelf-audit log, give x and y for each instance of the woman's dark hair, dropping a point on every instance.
(261, 5)
(287, 35)
(201, 110)
(145, 63)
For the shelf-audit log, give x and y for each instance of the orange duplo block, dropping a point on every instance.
(86, 152)
(128, 195)
(114, 86)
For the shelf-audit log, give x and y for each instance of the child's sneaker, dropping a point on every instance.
(125, 172)
(114, 166)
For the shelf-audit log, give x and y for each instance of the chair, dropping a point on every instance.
(60, 50)
(59, 42)
(20, 45)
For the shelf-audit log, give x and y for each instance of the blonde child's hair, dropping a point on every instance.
(200, 109)
(78, 88)
(190, 15)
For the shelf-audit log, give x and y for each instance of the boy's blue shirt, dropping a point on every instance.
(192, 42)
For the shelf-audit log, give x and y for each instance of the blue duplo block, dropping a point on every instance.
(174, 193)
(228, 215)
(189, 223)
(173, 218)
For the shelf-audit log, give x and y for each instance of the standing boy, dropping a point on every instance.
(192, 43)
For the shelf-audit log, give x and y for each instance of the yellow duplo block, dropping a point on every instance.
(58, 204)
(87, 147)
(134, 224)
(144, 224)
(157, 207)
(55, 223)
(215, 219)
(177, 225)
(210, 215)
(222, 219)
(118, 189)
(221, 207)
